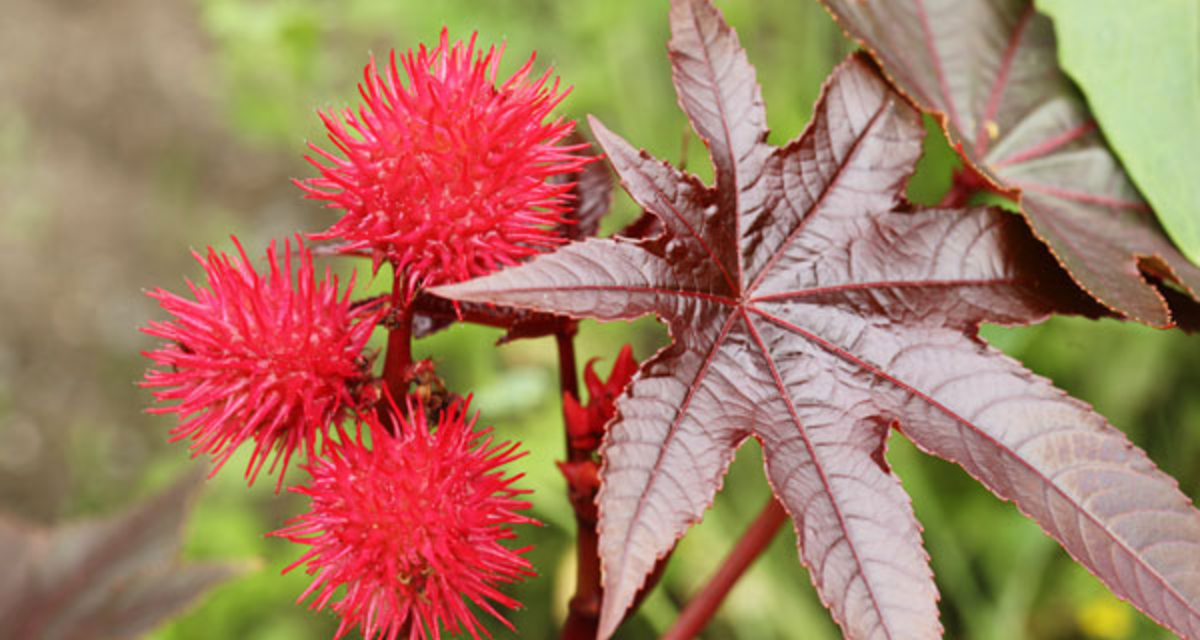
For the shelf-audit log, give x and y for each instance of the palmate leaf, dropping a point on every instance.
(113, 578)
(811, 307)
(989, 68)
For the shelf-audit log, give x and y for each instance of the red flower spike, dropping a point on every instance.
(579, 424)
(603, 394)
(258, 357)
(412, 527)
(585, 426)
(447, 178)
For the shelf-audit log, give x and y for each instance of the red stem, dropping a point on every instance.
(959, 194)
(701, 608)
(398, 364)
(967, 181)
(568, 380)
(583, 617)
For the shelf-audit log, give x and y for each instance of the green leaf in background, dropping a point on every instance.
(1138, 63)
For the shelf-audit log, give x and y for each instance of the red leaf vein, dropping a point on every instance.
(936, 58)
(833, 181)
(1048, 484)
(993, 104)
(885, 284)
(781, 387)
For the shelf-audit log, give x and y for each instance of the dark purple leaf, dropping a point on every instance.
(591, 197)
(1184, 308)
(644, 226)
(812, 309)
(112, 578)
(432, 314)
(989, 67)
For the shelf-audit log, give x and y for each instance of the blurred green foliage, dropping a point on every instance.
(1000, 577)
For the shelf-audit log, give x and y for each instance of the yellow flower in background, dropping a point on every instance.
(1104, 616)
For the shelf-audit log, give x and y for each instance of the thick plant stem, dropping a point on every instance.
(397, 369)
(701, 608)
(568, 380)
(398, 363)
(583, 615)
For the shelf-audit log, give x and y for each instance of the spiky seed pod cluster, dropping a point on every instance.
(267, 357)
(447, 177)
(412, 526)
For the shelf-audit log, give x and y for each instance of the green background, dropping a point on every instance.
(166, 126)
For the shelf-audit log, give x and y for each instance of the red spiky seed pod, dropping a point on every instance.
(412, 527)
(448, 177)
(263, 357)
